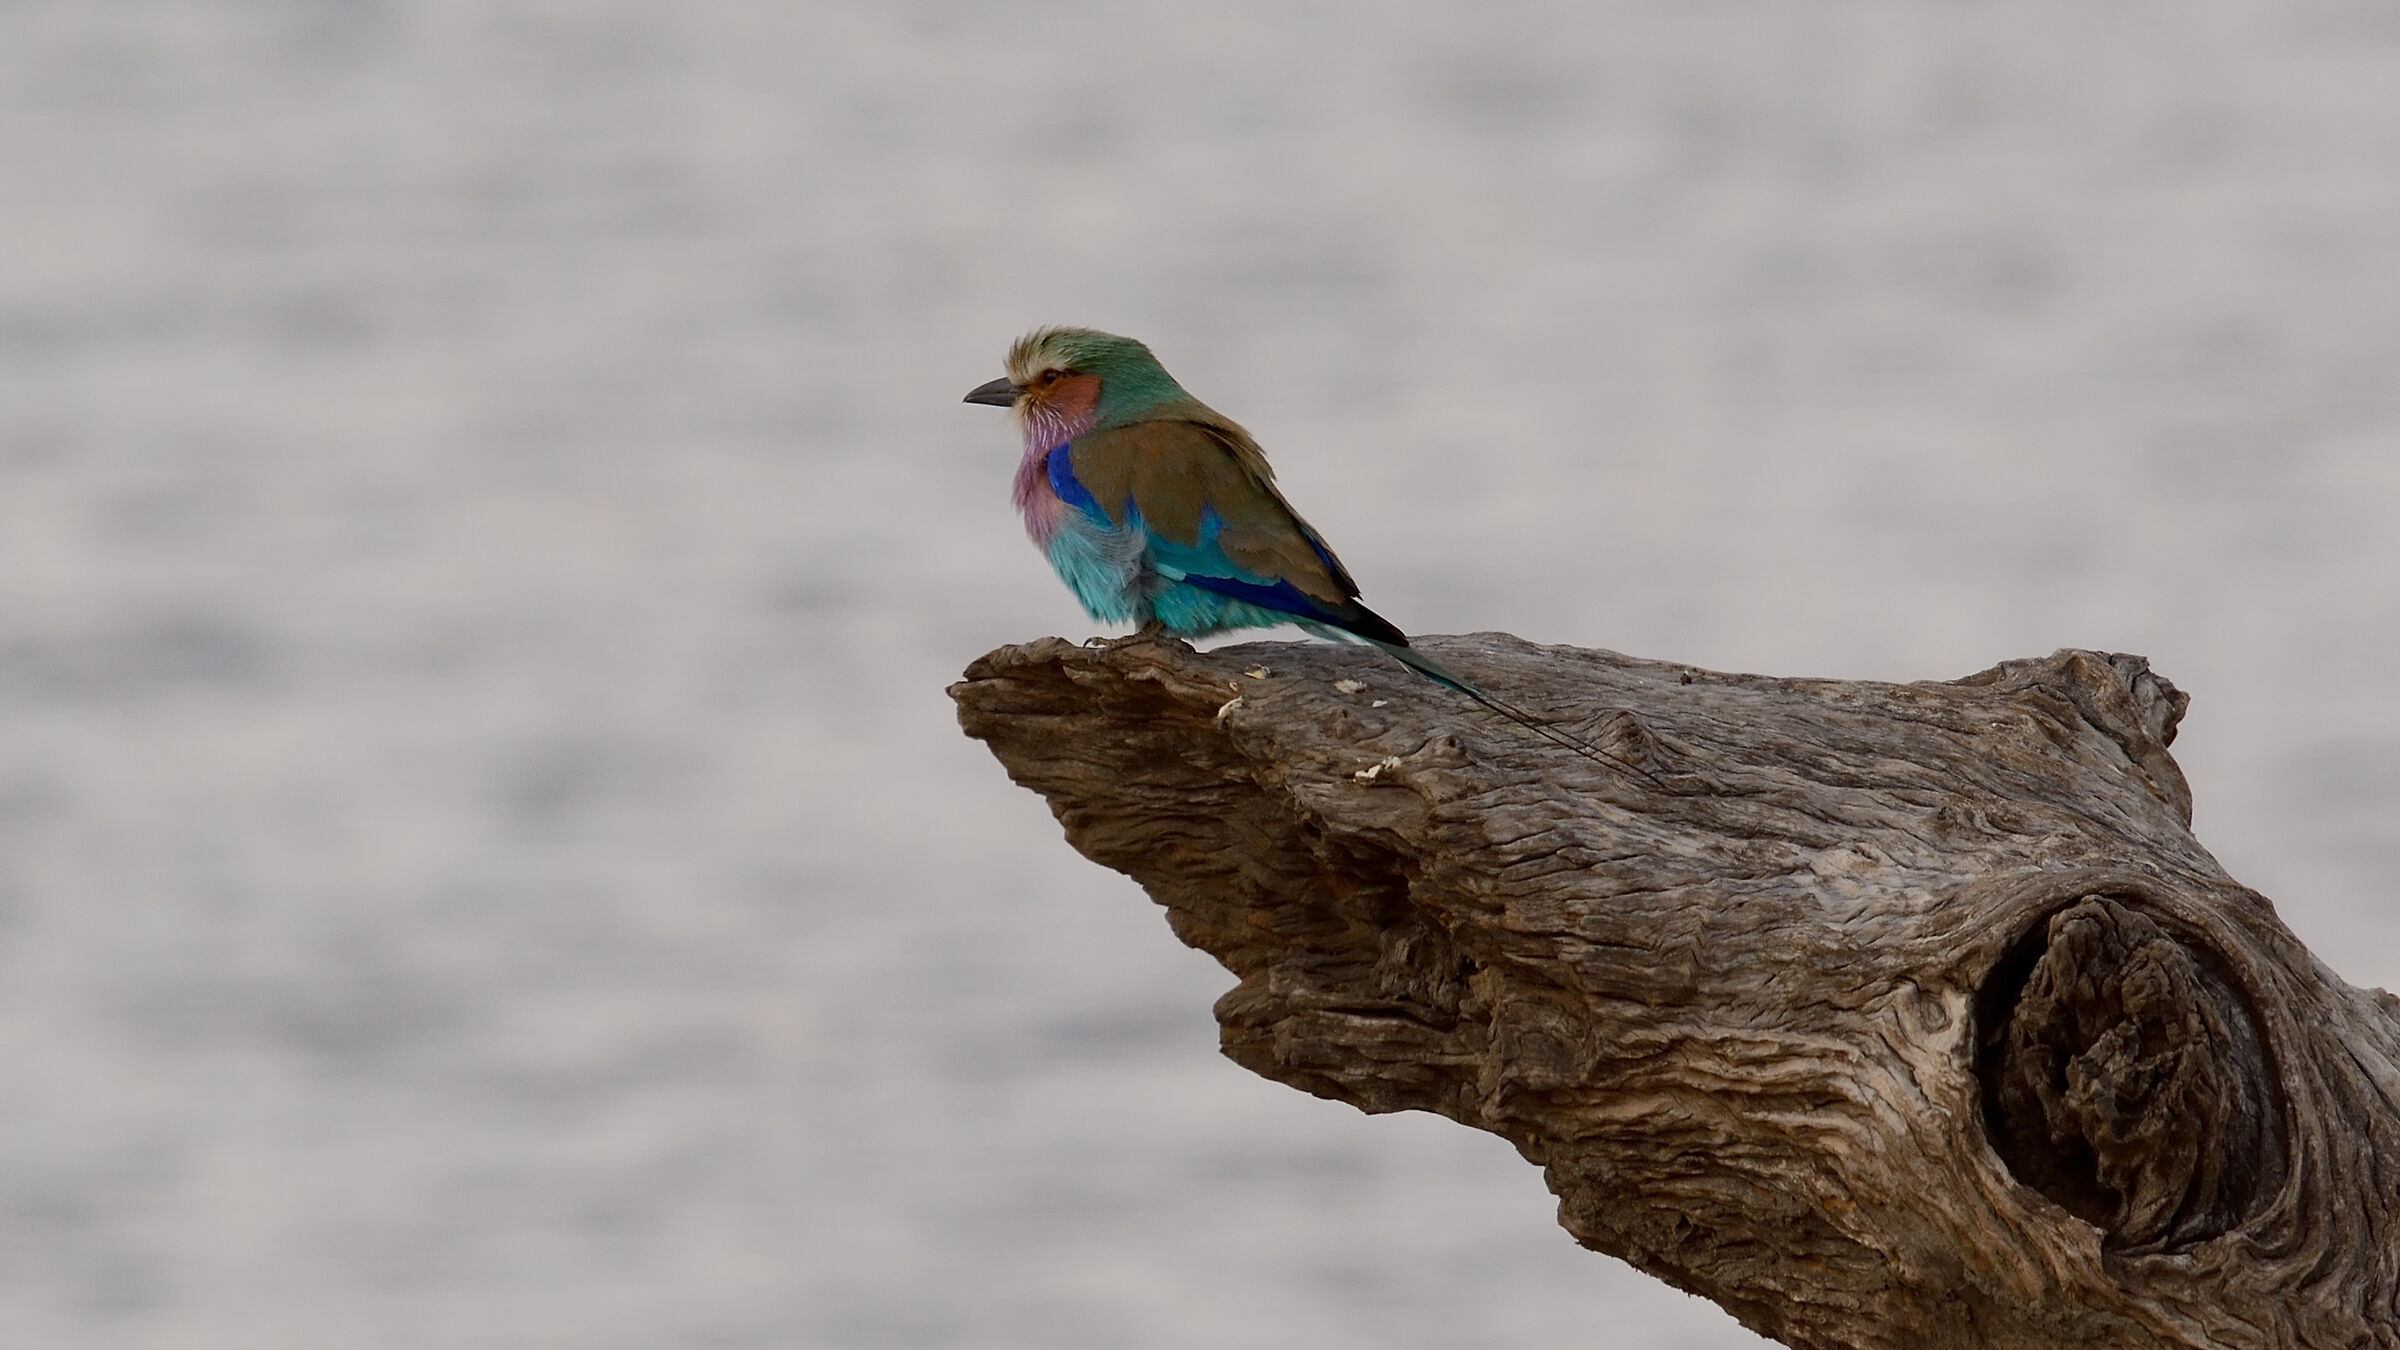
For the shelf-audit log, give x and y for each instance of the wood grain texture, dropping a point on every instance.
(1882, 1015)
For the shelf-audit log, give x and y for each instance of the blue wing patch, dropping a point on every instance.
(1204, 565)
(1070, 489)
(1282, 597)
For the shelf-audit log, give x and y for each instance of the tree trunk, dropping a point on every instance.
(1881, 1015)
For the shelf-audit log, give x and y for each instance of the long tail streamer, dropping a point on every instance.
(1442, 675)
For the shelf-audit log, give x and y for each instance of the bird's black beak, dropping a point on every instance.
(999, 393)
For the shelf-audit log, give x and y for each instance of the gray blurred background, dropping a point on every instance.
(486, 518)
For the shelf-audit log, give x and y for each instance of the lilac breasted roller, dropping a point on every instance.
(1157, 510)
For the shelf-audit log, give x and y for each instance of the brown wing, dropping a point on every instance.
(1176, 469)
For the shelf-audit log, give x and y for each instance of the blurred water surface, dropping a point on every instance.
(486, 520)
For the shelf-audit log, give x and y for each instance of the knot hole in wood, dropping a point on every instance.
(2125, 1078)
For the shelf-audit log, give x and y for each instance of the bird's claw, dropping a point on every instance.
(1153, 631)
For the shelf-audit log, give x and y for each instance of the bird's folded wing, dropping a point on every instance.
(1209, 502)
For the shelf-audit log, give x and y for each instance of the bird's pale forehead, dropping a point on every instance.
(1040, 350)
(1067, 349)
(1032, 354)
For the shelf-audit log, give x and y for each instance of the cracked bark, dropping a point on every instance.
(1880, 1015)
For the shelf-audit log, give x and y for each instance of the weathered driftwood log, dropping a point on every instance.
(1881, 1015)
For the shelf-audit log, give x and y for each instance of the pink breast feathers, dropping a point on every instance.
(1050, 418)
(1035, 499)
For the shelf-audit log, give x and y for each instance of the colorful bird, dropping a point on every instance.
(1158, 510)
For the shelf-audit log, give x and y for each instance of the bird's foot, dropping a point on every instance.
(1153, 631)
